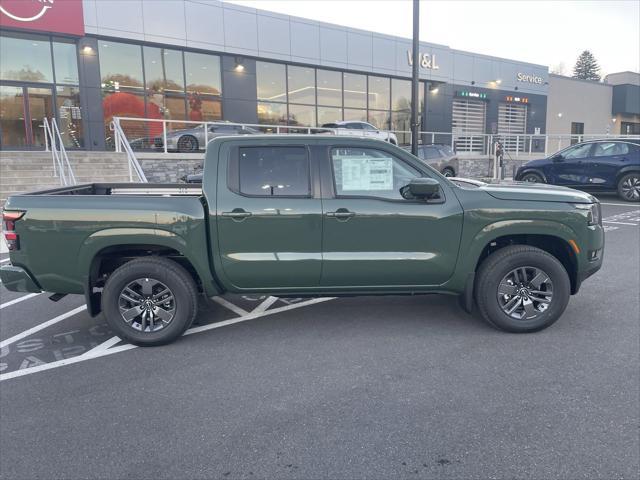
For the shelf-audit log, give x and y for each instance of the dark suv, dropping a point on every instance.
(609, 165)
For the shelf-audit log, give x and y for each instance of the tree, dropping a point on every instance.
(559, 69)
(587, 67)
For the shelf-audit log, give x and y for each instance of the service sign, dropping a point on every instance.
(57, 16)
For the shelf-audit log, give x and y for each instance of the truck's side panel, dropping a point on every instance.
(60, 235)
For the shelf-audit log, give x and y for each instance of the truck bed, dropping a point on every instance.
(148, 189)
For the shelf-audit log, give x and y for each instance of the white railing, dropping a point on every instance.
(53, 142)
(163, 136)
(122, 144)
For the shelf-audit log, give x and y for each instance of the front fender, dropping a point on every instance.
(112, 237)
(472, 248)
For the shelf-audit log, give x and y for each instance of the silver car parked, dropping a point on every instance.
(441, 157)
(193, 139)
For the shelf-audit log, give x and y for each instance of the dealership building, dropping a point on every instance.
(87, 61)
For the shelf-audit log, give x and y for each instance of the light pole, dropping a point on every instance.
(415, 83)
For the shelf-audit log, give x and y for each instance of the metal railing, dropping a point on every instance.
(166, 136)
(122, 144)
(60, 159)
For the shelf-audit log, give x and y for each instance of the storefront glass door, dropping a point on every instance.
(21, 112)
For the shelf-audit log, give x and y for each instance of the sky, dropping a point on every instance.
(546, 32)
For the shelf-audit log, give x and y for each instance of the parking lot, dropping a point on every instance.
(371, 387)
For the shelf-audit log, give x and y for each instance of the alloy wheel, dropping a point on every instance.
(525, 293)
(631, 188)
(147, 305)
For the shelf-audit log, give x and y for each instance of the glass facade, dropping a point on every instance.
(159, 84)
(38, 79)
(305, 96)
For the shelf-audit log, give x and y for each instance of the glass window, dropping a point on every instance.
(379, 93)
(271, 82)
(579, 151)
(65, 60)
(379, 120)
(25, 58)
(70, 115)
(128, 104)
(356, 115)
(369, 172)
(163, 70)
(304, 115)
(120, 65)
(12, 125)
(272, 113)
(355, 90)
(329, 115)
(203, 108)
(203, 73)
(400, 94)
(274, 171)
(609, 149)
(302, 85)
(329, 88)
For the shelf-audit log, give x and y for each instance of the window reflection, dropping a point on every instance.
(355, 115)
(303, 115)
(329, 88)
(65, 60)
(203, 73)
(120, 65)
(26, 58)
(329, 115)
(271, 82)
(272, 113)
(302, 85)
(355, 90)
(379, 93)
(163, 70)
(69, 116)
(400, 94)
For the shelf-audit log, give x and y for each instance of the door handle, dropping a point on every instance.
(237, 214)
(341, 214)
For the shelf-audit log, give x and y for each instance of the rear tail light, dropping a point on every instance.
(9, 220)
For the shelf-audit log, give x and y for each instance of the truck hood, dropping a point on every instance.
(538, 192)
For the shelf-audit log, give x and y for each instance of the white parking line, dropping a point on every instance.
(265, 305)
(42, 326)
(631, 205)
(231, 306)
(4, 260)
(18, 300)
(101, 351)
(623, 223)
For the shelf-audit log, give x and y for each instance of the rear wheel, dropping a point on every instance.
(532, 177)
(522, 289)
(149, 301)
(629, 187)
(448, 172)
(187, 143)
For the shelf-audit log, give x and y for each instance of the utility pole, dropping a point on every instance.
(415, 81)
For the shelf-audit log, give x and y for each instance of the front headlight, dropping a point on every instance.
(594, 215)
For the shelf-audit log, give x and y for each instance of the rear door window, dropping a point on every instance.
(271, 172)
(610, 149)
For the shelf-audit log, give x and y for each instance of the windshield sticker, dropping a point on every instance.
(362, 173)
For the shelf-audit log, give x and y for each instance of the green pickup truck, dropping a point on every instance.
(304, 215)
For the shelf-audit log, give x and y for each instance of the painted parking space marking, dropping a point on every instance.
(231, 306)
(18, 300)
(625, 219)
(41, 326)
(110, 346)
(4, 260)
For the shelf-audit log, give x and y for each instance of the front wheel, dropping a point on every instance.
(149, 301)
(448, 172)
(532, 177)
(187, 143)
(629, 187)
(522, 289)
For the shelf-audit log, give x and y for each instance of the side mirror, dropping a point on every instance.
(557, 158)
(422, 188)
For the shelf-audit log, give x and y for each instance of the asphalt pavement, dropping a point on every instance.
(373, 387)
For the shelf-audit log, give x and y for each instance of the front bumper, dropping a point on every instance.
(17, 279)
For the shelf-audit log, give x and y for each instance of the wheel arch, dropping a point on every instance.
(533, 170)
(106, 250)
(552, 237)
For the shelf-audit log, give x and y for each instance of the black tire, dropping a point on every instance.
(494, 270)
(629, 187)
(166, 273)
(188, 143)
(393, 142)
(532, 177)
(448, 172)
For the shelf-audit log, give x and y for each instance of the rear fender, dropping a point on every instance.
(113, 237)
